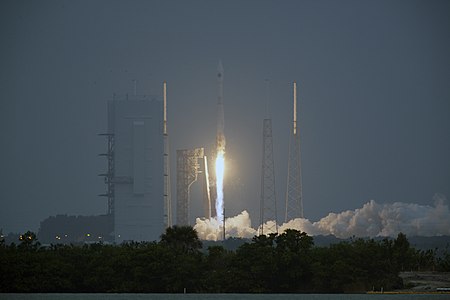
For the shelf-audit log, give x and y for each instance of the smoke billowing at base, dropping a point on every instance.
(371, 220)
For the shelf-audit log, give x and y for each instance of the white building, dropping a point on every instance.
(136, 124)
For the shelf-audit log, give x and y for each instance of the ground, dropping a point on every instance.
(425, 281)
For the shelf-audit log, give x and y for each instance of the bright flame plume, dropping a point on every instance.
(220, 171)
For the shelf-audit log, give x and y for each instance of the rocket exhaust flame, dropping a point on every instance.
(220, 171)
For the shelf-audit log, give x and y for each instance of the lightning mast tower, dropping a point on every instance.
(167, 195)
(294, 201)
(268, 201)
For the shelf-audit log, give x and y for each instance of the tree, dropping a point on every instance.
(402, 253)
(265, 240)
(294, 241)
(293, 256)
(28, 241)
(183, 270)
(253, 268)
(182, 239)
(2, 238)
(444, 261)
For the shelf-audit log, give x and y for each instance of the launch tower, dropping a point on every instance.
(294, 201)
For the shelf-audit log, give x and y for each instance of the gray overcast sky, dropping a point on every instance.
(374, 92)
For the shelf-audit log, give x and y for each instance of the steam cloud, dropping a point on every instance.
(371, 220)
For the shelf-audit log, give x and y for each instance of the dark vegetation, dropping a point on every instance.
(284, 263)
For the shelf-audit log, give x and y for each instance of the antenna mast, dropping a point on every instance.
(167, 195)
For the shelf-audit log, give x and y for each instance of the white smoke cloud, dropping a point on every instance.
(371, 220)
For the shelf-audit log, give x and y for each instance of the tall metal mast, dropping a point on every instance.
(294, 201)
(167, 194)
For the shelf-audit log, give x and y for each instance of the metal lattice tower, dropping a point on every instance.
(109, 175)
(268, 204)
(188, 169)
(294, 201)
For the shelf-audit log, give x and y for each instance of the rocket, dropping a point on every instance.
(220, 139)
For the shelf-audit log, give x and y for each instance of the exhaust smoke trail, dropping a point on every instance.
(371, 220)
(237, 226)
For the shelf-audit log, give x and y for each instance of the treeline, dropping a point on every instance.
(284, 263)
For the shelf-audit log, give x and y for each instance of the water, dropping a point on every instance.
(219, 297)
